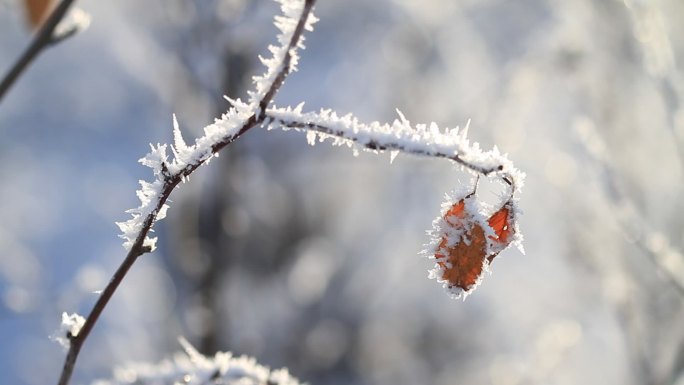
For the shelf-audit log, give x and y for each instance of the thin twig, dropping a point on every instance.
(43, 39)
(170, 183)
(393, 146)
(287, 65)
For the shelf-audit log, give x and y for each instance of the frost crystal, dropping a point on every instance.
(393, 156)
(192, 368)
(75, 21)
(71, 325)
(291, 11)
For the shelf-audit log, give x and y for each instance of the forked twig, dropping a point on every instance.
(43, 39)
(138, 247)
(242, 117)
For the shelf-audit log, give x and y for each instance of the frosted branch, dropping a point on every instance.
(399, 136)
(47, 36)
(170, 170)
(455, 266)
(241, 117)
(192, 368)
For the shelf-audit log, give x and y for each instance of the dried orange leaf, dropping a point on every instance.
(463, 262)
(37, 11)
(502, 224)
(468, 242)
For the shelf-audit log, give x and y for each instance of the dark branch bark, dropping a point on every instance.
(170, 183)
(43, 39)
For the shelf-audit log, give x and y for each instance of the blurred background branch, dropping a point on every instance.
(44, 38)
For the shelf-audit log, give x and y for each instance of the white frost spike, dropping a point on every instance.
(162, 211)
(71, 325)
(299, 108)
(434, 129)
(403, 119)
(178, 141)
(393, 155)
(193, 354)
(464, 132)
(150, 243)
(155, 159)
(311, 137)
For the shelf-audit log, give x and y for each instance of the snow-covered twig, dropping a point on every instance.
(44, 38)
(456, 271)
(192, 368)
(239, 119)
(399, 136)
(243, 116)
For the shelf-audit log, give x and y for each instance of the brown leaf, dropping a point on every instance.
(462, 262)
(502, 224)
(37, 11)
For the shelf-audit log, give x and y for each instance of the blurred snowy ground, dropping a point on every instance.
(306, 257)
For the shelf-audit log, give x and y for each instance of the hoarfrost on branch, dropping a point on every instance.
(257, 111)
(192, 368)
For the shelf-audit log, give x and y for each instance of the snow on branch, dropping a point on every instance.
(69, 329)
(192, 368)
(399, 136)
(285, 56)
(171, 170)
